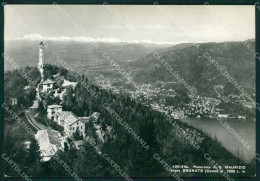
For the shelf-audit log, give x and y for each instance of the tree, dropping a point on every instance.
(88, 162)
(66, 147)
(143, 161)
(34, 158)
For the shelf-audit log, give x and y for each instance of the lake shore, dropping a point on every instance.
(245, 129)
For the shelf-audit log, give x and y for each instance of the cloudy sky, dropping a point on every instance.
(158, 24)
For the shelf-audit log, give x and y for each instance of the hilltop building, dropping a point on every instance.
(71, 123)
(53, 110)
(47, 85)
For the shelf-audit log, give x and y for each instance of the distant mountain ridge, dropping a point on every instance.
(196, 68)
(25, 52)
(139, 60)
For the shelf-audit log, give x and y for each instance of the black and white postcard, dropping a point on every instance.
(129, 91)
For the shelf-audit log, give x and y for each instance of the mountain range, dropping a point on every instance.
(143, 66)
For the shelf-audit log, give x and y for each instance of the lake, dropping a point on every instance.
(246, 129)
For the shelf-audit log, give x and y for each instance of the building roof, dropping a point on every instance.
(95, 115)
(48, 136)
(49, 142)
(54, 106)
(62, 115)
(70, 119)
(68, 83)
(84, 119)
(78, 143)
(54, 137)
(48, 81)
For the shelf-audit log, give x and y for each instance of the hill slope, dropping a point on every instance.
(152, 126)
(194, 67)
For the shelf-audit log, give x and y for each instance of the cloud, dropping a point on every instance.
(37, 37)
(138, 27)
(156, 26)
(113, 27)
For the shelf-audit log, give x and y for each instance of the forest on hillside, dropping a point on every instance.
(133, 158)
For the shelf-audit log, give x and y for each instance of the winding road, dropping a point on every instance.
(33, 121)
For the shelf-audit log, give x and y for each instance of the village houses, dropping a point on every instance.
(50, 141)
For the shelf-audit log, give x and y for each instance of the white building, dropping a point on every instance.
(47, 85)
(223, 115)
(13, 101)
(50, 141)
(53, 110)
(71, 123)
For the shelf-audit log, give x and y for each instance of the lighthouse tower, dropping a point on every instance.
(41, 59)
